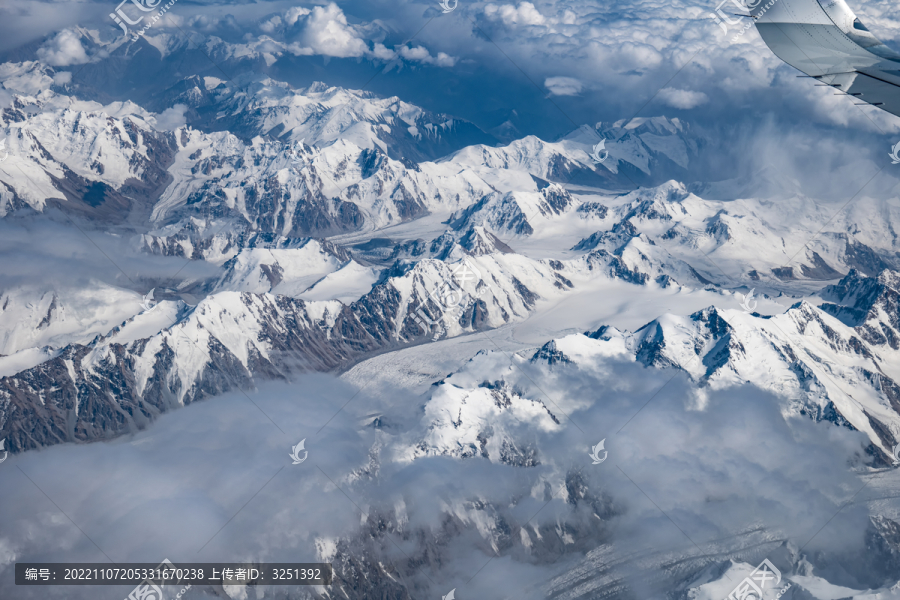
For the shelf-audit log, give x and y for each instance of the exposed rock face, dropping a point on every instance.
(87, 162)
(883, 540)
(114, 385)
(107, 388)
(871, 305)
(728, 347)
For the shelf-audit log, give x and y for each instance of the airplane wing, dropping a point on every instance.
(825, 40)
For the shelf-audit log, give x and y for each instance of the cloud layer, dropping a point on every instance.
(676, 478)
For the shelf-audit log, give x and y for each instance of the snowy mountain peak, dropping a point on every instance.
(810, 360)
(478, 241)
(871, 305)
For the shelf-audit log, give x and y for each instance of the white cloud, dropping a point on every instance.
(212, 83)
(419, 53)
(563, 86)
(626, 56)
(62, 78)
(171, 118)
(204, 22)
(523, 14)
(382, 52)
(444, 60)
(328, 33)
(185, 473)
(270, 25)
(236, 592)
(422, 55)
(682, 98)
(63, 50)
(299, 50)
(294, 13)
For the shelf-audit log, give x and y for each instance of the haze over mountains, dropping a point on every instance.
(510, 301)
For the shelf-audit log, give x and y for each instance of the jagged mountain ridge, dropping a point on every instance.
(107, 166)
(688, 227)
(284, 186)
(823, 369)
(820, 367)
(871, 305)
(640, 152)
(117, 158)
(230, 338)
(284, 191)
(77, 155)
(322, 114)
(260, 335)
(147, 71)
(286, 267)
(245, 193)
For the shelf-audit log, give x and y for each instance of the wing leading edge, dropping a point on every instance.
(827, 41)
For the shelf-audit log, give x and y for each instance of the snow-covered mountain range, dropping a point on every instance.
(288, 230)
(285, 164)
(824, 368)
